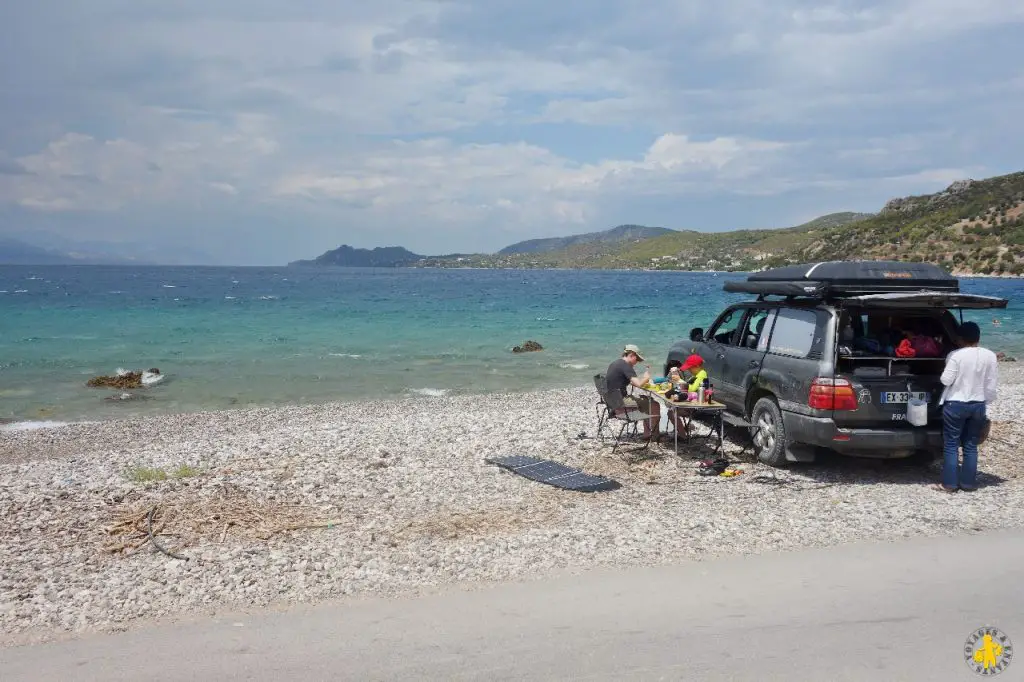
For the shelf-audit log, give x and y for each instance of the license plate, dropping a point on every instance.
(903, 397)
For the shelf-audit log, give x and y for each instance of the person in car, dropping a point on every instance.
(971, 379)
(621, 375)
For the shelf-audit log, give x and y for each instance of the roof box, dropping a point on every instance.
(837, 279)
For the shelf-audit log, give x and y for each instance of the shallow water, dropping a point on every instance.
(228, 337)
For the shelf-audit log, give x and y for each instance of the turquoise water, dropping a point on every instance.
(227, 337)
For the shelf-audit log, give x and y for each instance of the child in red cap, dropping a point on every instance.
(694, 365)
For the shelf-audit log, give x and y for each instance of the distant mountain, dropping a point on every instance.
(46, 248)
(973, 227)
(14, 252)
(17, 252)
(616, 235)
(348, 256)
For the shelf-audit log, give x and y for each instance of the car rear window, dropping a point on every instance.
(796, 334)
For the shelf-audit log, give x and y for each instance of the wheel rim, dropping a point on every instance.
(766, 431)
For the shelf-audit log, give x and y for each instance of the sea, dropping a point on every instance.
(231, 337)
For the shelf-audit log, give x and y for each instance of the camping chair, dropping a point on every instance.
(601, 407)
(610, 407)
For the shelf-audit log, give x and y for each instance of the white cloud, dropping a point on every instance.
(81, 172)
(443, 181)
(498, 118)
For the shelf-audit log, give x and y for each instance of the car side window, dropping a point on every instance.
(796, 334)
(724, 331)
(756, 329)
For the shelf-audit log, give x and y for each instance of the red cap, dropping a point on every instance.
(691, 362)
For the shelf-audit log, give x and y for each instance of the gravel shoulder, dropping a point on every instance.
(304, 504)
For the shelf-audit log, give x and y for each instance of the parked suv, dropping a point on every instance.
(811, 362)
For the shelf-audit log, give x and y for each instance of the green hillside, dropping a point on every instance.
(616, 235)
(971, 227)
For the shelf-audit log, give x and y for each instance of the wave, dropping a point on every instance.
(150, 378)
(345, 355)
(21, 291)
(574, 365)
(170, 286)
(230, 298)
(33, 425)
(269, 298)
(432, 392)
(548, 319)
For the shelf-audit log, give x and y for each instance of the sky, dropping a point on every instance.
(261, 131)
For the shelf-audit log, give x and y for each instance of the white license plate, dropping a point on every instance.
(903, 397)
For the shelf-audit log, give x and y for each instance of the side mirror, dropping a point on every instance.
(696, 334)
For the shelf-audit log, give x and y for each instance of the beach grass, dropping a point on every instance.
(144, 474)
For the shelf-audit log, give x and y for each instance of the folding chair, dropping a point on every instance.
(615, 409)
(601, 407)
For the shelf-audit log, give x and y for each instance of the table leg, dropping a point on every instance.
(721, 433)
(675, 428)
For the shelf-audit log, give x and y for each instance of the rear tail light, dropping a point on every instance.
(832, 394)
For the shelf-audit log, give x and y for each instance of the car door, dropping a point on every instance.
(795, 350)
(720, 341)
(743, 360)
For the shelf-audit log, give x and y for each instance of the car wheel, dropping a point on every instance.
(768, 432)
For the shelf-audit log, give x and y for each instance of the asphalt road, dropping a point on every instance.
(859, 612)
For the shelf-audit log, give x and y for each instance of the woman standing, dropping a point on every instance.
(970, 377)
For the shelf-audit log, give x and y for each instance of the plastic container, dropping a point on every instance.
(917, 412)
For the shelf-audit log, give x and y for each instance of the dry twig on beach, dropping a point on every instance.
(191, 519)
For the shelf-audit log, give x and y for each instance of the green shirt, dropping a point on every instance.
(698, 380)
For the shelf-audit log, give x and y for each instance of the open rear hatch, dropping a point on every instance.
(926, 299)
(883, 383)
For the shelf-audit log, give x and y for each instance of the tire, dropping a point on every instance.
(768, 432)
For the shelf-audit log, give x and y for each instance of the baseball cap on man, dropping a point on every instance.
(691, 362)
(632, 348)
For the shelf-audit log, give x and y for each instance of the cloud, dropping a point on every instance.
(464, 125)
(477, 181)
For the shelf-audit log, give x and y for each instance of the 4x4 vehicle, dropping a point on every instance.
(811, 363)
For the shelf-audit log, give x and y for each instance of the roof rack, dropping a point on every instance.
(838, 279)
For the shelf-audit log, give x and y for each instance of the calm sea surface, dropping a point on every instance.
(230, 337)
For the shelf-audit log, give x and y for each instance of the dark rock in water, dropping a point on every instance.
(1003, 357)
(528, 347)
(123, 381)
(5, 420)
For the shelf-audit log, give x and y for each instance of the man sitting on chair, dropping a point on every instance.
(621, 374)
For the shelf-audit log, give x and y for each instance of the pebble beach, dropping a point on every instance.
(276, 506)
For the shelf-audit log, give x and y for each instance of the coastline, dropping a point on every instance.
(412, 505)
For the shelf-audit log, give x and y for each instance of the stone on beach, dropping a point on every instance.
(406, 503)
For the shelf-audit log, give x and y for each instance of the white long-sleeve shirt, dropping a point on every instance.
(971, 375)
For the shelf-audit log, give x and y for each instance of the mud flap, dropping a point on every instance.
(797, 452)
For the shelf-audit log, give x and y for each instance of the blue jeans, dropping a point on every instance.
(961, 426)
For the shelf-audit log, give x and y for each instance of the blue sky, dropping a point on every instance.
(261, 131)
